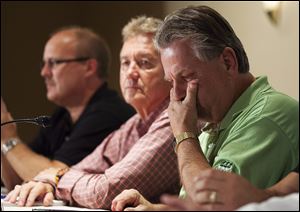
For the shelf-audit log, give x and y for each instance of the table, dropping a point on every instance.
(57, 206)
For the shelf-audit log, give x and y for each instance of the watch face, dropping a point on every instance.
(10, 144)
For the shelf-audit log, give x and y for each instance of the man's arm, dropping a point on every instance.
(183, 118)
(191, 161)
(8, 174)
(150, 167)
(287, 185)
(22, 164)
(233, 191)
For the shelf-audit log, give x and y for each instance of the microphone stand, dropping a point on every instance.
(43, 121)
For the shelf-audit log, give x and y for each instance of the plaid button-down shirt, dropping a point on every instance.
(139, 155)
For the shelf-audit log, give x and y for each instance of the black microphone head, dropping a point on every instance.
(43, 121)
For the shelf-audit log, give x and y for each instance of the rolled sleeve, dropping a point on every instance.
(149, 166)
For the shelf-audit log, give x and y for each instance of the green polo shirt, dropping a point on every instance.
(258, 138)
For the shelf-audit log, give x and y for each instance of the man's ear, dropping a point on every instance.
(229, 59)
(92, 67)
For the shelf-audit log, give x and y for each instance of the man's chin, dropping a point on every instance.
(135, 101)
(52, 98)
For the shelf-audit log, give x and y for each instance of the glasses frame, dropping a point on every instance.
(53, 62)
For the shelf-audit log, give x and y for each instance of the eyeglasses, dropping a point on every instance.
(52, 63)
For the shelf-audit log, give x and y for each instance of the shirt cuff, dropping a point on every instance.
(66, 185)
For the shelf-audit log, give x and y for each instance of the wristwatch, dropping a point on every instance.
(9, 145)
(59, 174)
(181, 137)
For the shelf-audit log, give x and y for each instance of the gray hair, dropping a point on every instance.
(140, 25)
(90, 44)
(208, 32)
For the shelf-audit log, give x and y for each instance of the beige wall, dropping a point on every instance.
(273, 50)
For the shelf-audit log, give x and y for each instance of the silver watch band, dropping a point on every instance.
(9, 145)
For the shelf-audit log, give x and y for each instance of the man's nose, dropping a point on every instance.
(133, 70)
(45, 70)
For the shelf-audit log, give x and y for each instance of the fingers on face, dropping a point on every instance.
(191, 92)
(172, 95)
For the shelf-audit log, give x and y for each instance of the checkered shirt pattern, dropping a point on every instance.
(139, 155)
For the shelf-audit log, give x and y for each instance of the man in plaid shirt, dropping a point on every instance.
(139, 155)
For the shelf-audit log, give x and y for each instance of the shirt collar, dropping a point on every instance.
(157, 111)
(211, 128)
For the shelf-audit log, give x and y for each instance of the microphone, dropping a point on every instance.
(43, 121)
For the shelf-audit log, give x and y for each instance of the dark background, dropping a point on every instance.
(25, 28)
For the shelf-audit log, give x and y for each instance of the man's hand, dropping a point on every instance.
(47, 175)
(10, 130)
(217, 190)
(3, 106)
(40, 189)
(131, 200)
(183, 113)
(28, 193)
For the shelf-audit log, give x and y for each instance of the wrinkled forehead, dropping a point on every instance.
(139, 45)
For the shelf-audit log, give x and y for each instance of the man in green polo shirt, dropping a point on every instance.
(251, 130)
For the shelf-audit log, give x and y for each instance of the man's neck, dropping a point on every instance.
(75, 112)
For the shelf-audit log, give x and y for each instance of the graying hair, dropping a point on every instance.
(208, 32)
(90, 44)
(140, 25)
